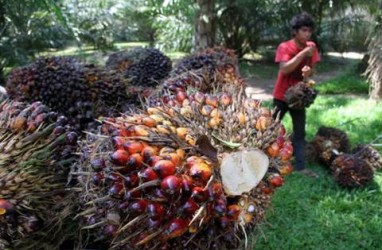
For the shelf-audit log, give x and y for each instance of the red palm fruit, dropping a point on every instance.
(153, 160)
(174, 157)
(282, 130)
(133, 194)
(117, 190)
(132, 180)
(175, 228)
(199, 194)
(110, 230)
(119, 157)
(123, 206)
(71, 138)
(224, 222)
(199, 97)
(181, 153)
(98, 178)
(180, 96)
(206, 110)
(155, 210)
(147, 174)
(164, 168)
(113, 177)
(141, 130)
(182, 132)
(286, 152)
(190, 161)
(275, 180)
(266, 190)
(233, 212)
(134, 162)
(263, 122)
(172, 102)
(149, 122)
(118, 142)
(133, 146)
(148, 151)
(215, 122)
(286, 168)
(220, 207)
(212, 100)
(273, 149)
(166, 151)
(171, 185)
(216, 113)
(241, 118)
(5, 206)
(159, 195)
(215, 190)
(187, 184)
(201, 171)
(189, 207)
(98, 164)
(280, 141)
(225, 99)
(138, 206)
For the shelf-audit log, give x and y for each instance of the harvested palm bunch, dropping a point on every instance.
(301, 95)
(36, 153)
(329, 142)
(145, 67)
(369, 154)
(350, 171)
(195, 176)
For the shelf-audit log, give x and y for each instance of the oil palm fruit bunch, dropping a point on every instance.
(194, 176)
(59, 83)
(350, 171)
(330, 142)
(145, 67)
(36, 150)
(369, 154)
(301, 95)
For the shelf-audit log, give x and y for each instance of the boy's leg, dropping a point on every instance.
(298, 139)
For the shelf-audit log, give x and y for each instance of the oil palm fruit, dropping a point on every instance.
(36, 150)
(329, 142)
(369, 154)
(301, 95)
(145, 67)
(350, 171)
(198, 174)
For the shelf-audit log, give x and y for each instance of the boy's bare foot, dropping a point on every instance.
(308, 173)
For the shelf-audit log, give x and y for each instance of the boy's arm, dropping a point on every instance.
(289, 66)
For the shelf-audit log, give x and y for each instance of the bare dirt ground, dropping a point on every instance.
(263, 88)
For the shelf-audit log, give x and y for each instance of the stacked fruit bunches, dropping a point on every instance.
(197, 175)
(351, 171)
(59, 83)
(328, 143)
(35, 154)
(145, 67)
(109, 91)
(220, 62)
(301, 95)
(369, 154)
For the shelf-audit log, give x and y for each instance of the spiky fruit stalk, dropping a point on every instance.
(193, 177)
(35, 158)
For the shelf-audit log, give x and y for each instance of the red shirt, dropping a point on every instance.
(286, 51)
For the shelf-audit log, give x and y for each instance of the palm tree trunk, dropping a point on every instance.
(205, 25)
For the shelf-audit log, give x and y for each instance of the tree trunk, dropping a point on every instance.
(205, 25)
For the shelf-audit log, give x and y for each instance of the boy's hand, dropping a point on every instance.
(306, 71)
(309, 50)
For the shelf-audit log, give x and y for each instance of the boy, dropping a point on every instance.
(296, 58)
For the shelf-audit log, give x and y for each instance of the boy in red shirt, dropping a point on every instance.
(296, 58)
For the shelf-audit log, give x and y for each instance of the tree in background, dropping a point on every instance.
(374, 68)
(205, 24)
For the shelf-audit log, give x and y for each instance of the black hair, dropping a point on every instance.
(302, 20)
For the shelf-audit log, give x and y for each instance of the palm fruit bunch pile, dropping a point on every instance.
(57, 82)
(369, 154)
(351, 171)
(328, 143)
(72, 88)
(195, 176)
(145, 67)
(301, 95)
(108, 90)
(36, 151)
